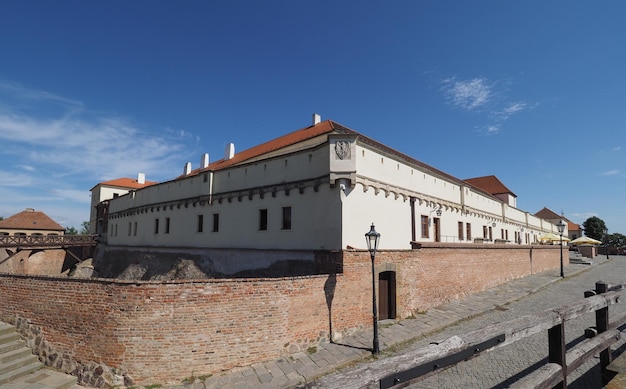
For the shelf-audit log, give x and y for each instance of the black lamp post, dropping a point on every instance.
(606, 242)
(372, 237)
(561, 227)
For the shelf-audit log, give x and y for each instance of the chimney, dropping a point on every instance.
(141, 178)
(230, 151)
(204, 161)
(187, 168)
(317, 119)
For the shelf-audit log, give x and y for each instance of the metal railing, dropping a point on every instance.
(35, 241)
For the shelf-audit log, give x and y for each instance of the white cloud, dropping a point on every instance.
(482, 96)
(54, 150)
(469, 94)
(610, 173)
(14, 178)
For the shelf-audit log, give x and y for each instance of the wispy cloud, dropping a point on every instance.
(54, 150)
(610, 173)
(80, 142)
(467, 94)
(480, 95)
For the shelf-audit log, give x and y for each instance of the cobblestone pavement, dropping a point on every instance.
(321, 369)
(502, 367)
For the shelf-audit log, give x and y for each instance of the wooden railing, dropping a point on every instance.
(433, 358)
(47, 241)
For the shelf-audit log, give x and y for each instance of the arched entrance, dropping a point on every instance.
(387, 295)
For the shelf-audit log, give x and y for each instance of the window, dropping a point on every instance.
(490, 234)
(460, 224)
(130, 228)
(135, 229)
(468, 231)
(262, 219)
(286, 218)
(167, 225)
(216, 222)
(424, 226)
(200, 223)
(156, 226)
(485, 233)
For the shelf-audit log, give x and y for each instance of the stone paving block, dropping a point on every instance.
(274, 370)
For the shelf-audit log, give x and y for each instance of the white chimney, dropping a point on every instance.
(204, 161)
(317, 119)
(230, 151)
(187, 168)
(141, 178)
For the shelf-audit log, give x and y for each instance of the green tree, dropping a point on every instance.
(84, 228)
(617, 240)
(70, 231)
(594, 228)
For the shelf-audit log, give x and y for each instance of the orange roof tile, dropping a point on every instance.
(490, 184)
(130, 183)
(547, 214)
(30, 219)
(303, 134)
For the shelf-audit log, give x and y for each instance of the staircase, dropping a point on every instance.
(19, 368)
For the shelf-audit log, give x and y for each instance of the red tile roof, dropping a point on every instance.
(548, 214)
(325, 127)
(303, 134)
(130, 183)
(30, 220)
(490, 184)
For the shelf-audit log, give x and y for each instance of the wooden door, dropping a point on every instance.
(387, 295)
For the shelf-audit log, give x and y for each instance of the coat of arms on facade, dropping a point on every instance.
(342, 149)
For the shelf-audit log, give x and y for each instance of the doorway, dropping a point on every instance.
(387, 295)
(437, 228)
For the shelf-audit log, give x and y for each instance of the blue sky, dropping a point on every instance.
(532, 92)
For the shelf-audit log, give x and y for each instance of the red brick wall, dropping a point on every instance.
(159, 332)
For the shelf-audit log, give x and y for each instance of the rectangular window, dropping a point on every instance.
(460, 224)
(468, 231)
(135, 229)
(506, 234)
(490, 234)
(156, 226)
(262, 219)
(167, 225)
(485, 233)
(216, 222)
(286, 218)
(130, 225)
(502, 233)
(424, 226)
(200, 223)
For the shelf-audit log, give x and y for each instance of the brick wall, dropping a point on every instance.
(160, 332)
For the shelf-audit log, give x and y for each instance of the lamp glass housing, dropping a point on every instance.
(561, 227)
(372, 237)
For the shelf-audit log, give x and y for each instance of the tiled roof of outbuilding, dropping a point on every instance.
(547, 214)
(130, 183)
(30, 219)
(490, 184)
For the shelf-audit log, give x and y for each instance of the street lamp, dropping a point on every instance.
(372, 237)
(561, 227)
(606, 242)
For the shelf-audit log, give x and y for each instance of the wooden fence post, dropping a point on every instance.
(602, 324)
(556, 351)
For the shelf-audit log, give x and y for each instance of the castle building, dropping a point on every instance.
(317, 188)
